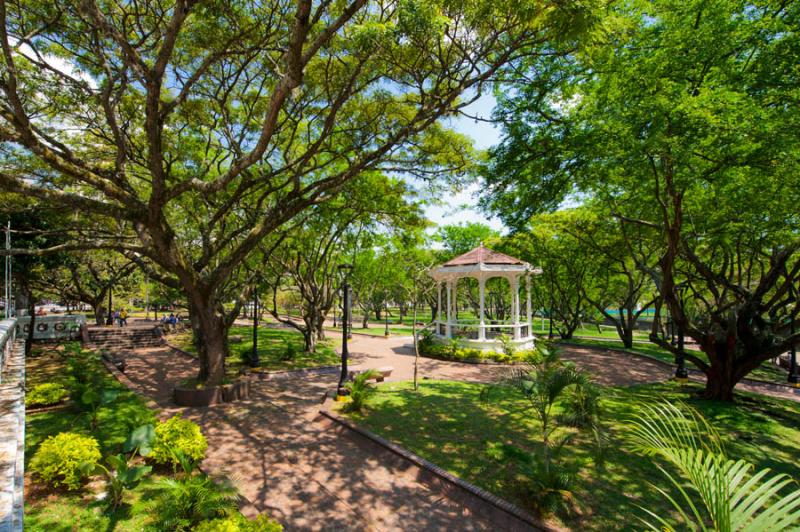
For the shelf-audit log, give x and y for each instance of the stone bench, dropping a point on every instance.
(382, 373)
(118, 361)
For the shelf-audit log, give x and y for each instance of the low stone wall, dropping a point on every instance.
(12, 439)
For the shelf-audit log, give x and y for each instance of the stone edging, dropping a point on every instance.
(495, 502)
(125, 381)
(670, 364)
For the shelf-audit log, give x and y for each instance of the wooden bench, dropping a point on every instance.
(382, 373)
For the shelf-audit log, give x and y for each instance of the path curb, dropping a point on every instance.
(498, 510)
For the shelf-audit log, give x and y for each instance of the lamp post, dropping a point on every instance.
(385, 314)
(344, 270)
(110, 319)
(254, 361)
(681, 375)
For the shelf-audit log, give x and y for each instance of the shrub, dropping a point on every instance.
(239, 523)
(360, 390)
(50, 393)
(181, 435)
(61, 458)
(184, 503)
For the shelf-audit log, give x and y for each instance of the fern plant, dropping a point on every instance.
(183, 503)
(734, 497)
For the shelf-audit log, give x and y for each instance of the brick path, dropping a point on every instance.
(290, 462)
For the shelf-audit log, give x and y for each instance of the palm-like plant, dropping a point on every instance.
(733, 497)
(546, 382)
(360, 390)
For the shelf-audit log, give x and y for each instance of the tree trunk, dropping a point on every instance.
(309, 339)
(99, 313)
(720, 377)
(365, 320)
(211, 339)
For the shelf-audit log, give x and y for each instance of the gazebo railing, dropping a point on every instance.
(471, 330)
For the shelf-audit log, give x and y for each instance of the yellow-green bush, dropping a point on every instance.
(239, 523)
(50, 393)
(178, 435)
(60, 459)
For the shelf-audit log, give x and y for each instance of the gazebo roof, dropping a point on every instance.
(482, 262)
(482, 255)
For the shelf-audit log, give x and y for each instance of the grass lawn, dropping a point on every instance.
(378, 329)
(448, 424)
(766, 372)
(273, 350)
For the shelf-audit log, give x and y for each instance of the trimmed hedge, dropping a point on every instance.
(60, 459)
(50, 393)
(453, 351)
(177, 434)
(239, 523)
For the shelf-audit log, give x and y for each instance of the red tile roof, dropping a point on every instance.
(482, 255)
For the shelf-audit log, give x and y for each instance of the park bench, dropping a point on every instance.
(382, 373)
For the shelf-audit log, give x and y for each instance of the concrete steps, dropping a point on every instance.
(117, 339)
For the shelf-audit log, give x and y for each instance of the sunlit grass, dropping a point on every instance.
(447, 423)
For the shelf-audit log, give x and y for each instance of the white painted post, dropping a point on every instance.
(482, 326)
(515, 305)
(449, 327)
(528, 301)
(438, 305)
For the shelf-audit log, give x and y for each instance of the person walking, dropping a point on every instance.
(123, 318)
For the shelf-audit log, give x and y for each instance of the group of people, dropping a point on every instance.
(172, 320)
(121, 317)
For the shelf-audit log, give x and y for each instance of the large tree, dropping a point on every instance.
(205, 127)
(685, 125)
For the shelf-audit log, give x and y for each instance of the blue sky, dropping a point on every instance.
(462, 207)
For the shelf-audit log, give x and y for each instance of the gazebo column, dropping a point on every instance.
(515, 305)
(449, 327)
(482, 326)
(528, 302)
(438, 306)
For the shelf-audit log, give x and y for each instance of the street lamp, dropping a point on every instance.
(254, 361)
(344, 271)
(110, 319)
(794, 377)
(681, 375)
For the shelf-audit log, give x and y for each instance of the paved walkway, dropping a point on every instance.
(300, 468)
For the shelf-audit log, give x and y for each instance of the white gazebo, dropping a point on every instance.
(482, 263)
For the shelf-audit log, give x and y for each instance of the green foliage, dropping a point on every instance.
(178, 435)
(290, 353)
(734, 498)
(360, 390)
(507, 343)
(50, 393)
(140, 440)
(120, 476)
(60, 459)
(429, 347)
(239, 523)
(545, 384)
(185, 502)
